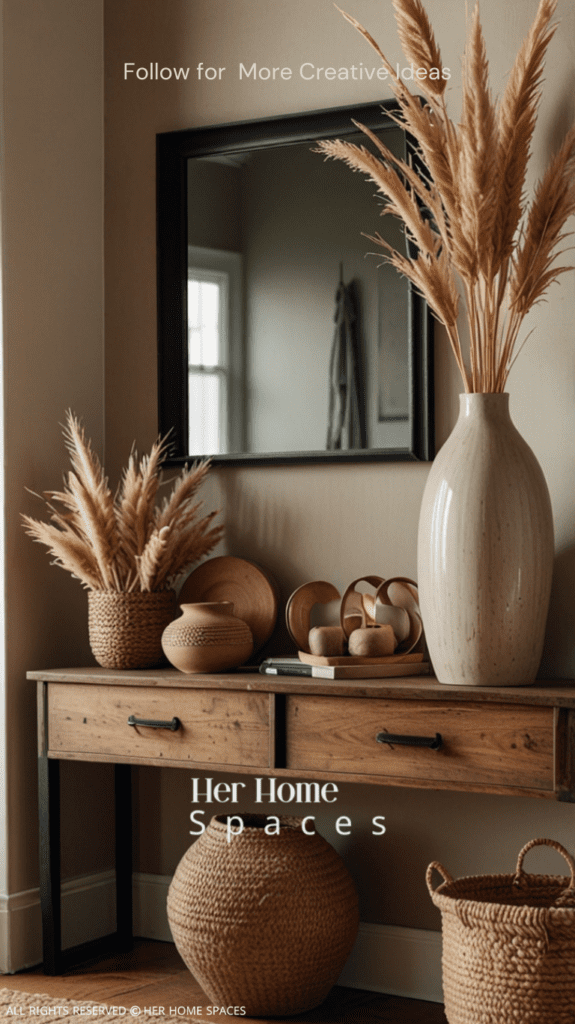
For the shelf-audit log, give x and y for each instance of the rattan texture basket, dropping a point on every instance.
(125, 629)
(264, 922)
(508, 945)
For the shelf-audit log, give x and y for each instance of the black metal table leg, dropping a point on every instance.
(49, 818)
(123, 816)
(56, 960)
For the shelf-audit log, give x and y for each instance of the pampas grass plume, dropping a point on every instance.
(474, 233)
(127, 541)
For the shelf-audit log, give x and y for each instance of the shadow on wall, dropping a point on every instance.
(257, 530)
(559, 649)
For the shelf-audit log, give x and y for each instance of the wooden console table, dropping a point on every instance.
(394, 732)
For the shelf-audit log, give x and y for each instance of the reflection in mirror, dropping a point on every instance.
(295, 342)
(269, 233)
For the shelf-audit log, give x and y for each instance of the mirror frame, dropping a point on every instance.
(173, 150)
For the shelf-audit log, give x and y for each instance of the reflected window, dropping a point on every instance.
(213, 280)
(207, 365)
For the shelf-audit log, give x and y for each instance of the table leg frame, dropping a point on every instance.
(55, 959)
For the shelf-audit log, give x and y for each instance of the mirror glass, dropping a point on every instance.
(294, 340)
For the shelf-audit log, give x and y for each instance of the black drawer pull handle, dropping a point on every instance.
(149, 723)
(433, 742)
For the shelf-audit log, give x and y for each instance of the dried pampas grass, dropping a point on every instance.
(124, 542)
(475, 236)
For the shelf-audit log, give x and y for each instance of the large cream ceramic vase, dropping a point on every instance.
(485, 551)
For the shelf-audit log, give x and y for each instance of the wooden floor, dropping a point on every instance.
(153, 975)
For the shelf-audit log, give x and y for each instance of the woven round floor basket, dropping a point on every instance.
(508, 945)
(125, 630)
(264, 922)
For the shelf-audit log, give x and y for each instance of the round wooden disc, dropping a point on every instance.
(251, 590)
(299, 606)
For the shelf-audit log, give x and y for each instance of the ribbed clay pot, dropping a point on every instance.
(125, 629)
(264, 922)
(207, 637)
(485, 551)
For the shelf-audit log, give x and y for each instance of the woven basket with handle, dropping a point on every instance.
(508, 945)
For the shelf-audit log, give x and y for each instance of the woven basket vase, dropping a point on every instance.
(125, 630)
(508, 945)
(264, 922)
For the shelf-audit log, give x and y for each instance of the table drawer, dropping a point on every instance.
(485, 744)
(219, 728)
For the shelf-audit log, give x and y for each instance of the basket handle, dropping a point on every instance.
(436, 866)
(569, 892)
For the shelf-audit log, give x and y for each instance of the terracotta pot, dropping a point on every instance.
(125, 630)
(207, 637)
(263, 921)
(485, 551)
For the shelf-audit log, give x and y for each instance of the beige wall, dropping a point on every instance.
(303, 522)
(52, 210)
(329, 522)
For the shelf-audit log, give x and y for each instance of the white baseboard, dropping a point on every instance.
(20, 931)
(150, 894)
(400, 961)
(385, 958)
(88, 912)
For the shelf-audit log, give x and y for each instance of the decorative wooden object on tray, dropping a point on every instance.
(397, 598)
(372, 642)
(326, 641)
(508, 942)
(380, 629)
(355, 602)
(248, 586)
(299, 606)
(264, 920)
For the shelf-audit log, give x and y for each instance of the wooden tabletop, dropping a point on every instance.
(554, 693)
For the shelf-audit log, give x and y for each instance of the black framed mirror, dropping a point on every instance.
(280, 338)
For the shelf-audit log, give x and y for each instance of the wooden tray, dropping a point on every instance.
(349, 660)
